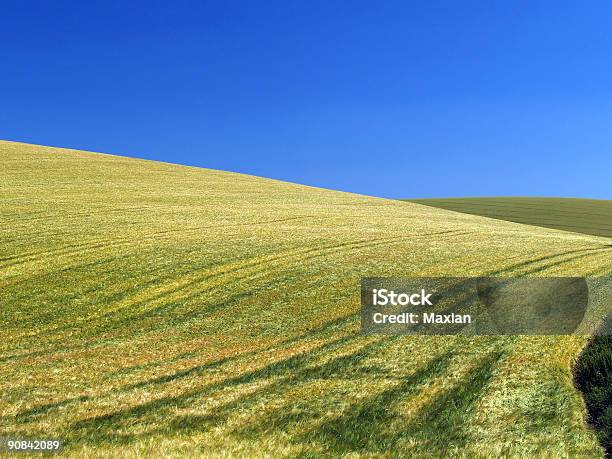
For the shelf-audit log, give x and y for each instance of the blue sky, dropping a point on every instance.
(391, 98)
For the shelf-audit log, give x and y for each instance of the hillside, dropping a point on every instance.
(588, 216)
(150, 308)
(593, 369)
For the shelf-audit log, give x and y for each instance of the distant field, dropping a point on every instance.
(588, 216)
(150, 309)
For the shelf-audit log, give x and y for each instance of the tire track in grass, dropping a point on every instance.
(247, 267)
(337, 367)
(50, 350)
(200, 369)
(80, 249)
(248, 276)
(93, 340)
(161, 293)
(521, 264)
(446, 415)
(361, 428)
(44, 215)
(102, 343)
(605, 270)
(90, 428)
(561, 262)
(509, 269)
(529, 262)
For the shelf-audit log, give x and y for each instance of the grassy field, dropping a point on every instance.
(149, 308)
(588, 216)
(593, 370)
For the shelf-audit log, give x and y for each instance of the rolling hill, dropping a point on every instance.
(151, 308)
(587, 216)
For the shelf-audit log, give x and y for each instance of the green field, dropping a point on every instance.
(588, 216)
(155, 309)
(594, 366)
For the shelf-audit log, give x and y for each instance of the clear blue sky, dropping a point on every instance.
(388, 98)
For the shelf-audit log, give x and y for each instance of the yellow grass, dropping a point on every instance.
(150, 308)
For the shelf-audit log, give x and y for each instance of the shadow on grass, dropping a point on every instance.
(593, 377)
(337, 368)
(374, 426)
(102, 428)
(324, 329)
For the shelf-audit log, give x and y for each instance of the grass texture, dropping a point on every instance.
(588, 216)
(155, 309)
(593, 369)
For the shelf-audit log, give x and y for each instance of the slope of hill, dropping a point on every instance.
(150, 308)
(588, 216)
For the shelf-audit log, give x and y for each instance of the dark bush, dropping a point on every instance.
(593, 375)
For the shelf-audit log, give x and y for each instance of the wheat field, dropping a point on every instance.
(163, 310)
